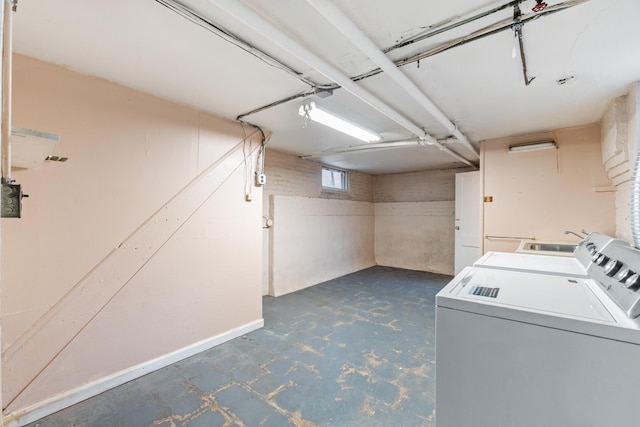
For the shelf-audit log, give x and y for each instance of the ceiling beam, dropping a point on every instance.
(343, 24)
(268, 31)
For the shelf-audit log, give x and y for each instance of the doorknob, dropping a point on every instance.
(457, 227)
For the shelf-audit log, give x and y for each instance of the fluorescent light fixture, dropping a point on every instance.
(532, 146)
(323, 117)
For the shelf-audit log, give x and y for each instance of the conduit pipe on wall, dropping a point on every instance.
(7, 6)
(273, 34)
(343, 24)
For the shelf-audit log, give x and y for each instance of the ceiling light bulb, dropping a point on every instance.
(323, 117)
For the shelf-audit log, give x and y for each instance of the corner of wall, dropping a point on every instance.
(620, 141)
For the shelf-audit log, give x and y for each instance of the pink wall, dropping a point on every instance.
(140, 245)
(543, 193)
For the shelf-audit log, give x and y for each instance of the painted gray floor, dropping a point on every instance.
(354, 351)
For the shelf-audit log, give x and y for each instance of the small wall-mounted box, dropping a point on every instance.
(11, 201)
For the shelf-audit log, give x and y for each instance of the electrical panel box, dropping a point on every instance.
(11, 203)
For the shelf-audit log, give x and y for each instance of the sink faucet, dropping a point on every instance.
(575, 234)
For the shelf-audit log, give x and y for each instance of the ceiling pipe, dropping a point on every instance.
(477, 35)
(506, 24)
(226, 35)
(270, 32)
(517, 27)
(343, 24)
(374, 146)
(441, 28)
(273, 34)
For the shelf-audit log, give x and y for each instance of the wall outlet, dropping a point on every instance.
(261, 179)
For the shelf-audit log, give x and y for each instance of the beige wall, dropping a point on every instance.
(398, 220)
(414, 220)
(314, 240)
(312, 227)
(137, 247)
(543, 193)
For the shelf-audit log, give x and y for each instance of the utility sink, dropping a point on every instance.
(547, 248)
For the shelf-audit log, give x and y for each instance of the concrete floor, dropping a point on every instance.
(354, 351)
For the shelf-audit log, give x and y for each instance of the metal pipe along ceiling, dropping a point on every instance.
(343, 24)
(273, 34)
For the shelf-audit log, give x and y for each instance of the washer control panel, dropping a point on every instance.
(615, 266)
(593, 245)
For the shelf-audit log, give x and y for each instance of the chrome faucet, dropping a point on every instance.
(575, 234)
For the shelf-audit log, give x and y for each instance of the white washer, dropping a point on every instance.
(530, 349)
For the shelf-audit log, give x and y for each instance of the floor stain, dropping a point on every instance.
(310, 349)
(374, 360)
(209, 404)
(390, 325)
(346, 371)
(271, 396)
(367, 408)
(296, 419)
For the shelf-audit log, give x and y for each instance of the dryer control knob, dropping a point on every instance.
(600, 259)
(632, 281)
(623, 274)
(612, 267)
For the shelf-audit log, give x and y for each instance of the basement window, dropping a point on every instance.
(334, 179)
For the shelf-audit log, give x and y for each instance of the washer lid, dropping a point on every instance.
(534, 292)
(561, 266)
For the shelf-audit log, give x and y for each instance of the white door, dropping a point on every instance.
(468, 219)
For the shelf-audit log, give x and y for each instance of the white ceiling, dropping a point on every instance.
(479, 86)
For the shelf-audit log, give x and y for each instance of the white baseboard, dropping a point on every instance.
(54, 404)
